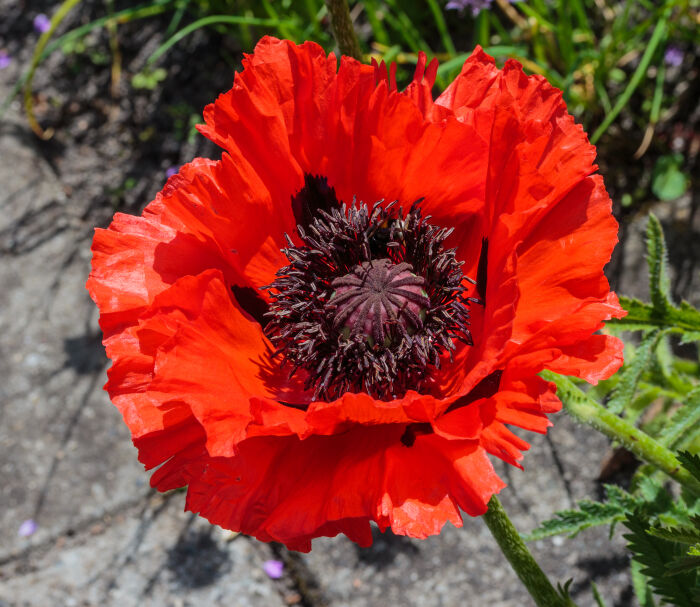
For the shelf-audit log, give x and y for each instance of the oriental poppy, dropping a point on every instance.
(337, 321)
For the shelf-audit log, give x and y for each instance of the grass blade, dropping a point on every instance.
(623, 99)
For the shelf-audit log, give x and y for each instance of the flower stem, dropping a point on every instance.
(520, 558)
(343, 30)
(588, 411)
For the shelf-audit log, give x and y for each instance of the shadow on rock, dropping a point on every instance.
(85, 353)
(599, 568)
(196, 560)
(385, 548)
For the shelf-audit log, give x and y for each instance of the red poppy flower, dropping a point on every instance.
(337, 321)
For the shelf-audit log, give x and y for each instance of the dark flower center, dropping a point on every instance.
(370, 302)
(376, 296)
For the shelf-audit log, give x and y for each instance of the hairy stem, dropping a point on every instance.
(343, 30)
(588, 411)
(520, 558)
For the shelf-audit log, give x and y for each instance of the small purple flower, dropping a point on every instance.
(42, 23)
(476, 6)
(273, 569)
(171, 171)
(27, 528)
(673, 56)
(5, 60)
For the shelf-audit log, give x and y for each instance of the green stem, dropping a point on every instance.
(343, 30)
(520, 558)
(586, 410)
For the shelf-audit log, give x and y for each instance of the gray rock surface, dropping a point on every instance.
(103, 538)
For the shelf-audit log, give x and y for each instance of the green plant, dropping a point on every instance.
(663, 528)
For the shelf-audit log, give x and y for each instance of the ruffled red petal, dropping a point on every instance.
(291, 490)
(496, 157)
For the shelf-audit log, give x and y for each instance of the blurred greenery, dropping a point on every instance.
(608, 57)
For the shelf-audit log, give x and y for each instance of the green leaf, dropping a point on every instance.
(640, 583)
(148, 79)
(657, 260)
(564, 591)
(589, 514)
(690, 337)
(656, 498)
(682, 535)
(683, 564)
(689, 315)
(661, 312)
(627, 386)
(691, 462)
(685, 421)
(596, 595)
(653, 554)
(668, 182)
(641, 316)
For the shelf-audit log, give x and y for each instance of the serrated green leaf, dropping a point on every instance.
(683, 564)
(685, 421)
(657, 260)
(641, 316)
(589, 514)
(572, 522)
(682, 535)
(653, 554)
(627, 386)
(691, 462)
(617, 495)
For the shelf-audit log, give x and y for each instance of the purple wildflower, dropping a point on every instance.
(273, 569)
(5, 60)
(42, 23)
(476, 6)
(673, 56)
(171, 171)
(27, 528)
